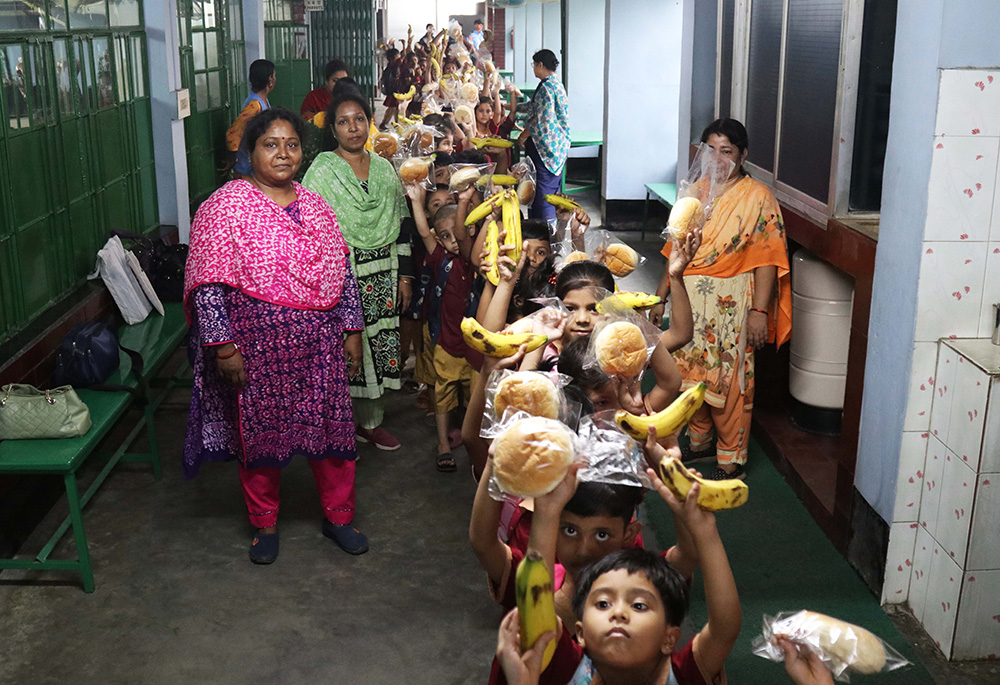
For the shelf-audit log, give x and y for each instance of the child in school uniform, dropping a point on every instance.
(451, 281)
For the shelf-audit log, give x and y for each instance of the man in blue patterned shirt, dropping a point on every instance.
(546, 133)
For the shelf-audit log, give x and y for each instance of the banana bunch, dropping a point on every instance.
(561, 202)
(408, 95)
(503, 180)
(536, 606)
(713, 495)
(498, 344)
(666, 422)
(511, 214)
(480, 143)
(623, 301)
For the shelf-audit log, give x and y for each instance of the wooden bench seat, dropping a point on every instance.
(155, 339)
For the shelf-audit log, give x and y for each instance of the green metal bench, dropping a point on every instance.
(665, 194)
(155, 339)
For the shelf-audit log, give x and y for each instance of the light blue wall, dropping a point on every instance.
(930, 34)
(697, 76)
(585, 69)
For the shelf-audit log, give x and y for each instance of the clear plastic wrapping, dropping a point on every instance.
(845, 648)
(527, 176)
(534, 393)
(531, 456)
(604, 248)
(415, 170)
(622, 342)
(611, 456)
(418, 139)
(707, 176)
(465, 175)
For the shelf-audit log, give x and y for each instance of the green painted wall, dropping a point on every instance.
(76, 147)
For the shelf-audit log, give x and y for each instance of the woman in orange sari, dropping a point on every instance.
(740, 295)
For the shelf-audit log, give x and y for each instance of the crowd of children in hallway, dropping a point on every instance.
(620, 608)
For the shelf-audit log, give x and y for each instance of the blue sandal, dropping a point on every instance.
(349, 539)
(264, 548)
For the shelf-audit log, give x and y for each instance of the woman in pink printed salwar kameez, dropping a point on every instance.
(275, 317)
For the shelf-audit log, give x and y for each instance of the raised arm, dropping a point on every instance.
(668, 379)
(681, 329)
(417, 194)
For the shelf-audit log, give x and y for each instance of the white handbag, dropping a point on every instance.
(128, 283)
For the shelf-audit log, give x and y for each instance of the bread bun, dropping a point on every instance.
(576, 256)
(620, 349)
(846, 644)
(426, 141)
(531, 457)
(620, 259)
(470, 91)
(463, 178)
(463, 115)
(385, 145)
(529, 392)
(685, 216)
(413, 171)
(526, 192)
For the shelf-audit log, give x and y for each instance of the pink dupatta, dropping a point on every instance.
(242, 238)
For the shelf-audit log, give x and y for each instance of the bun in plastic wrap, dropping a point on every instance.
(685, 216)
(529, 392)
(620, 348)
(531, 457)
(413, 171)
(620, 259)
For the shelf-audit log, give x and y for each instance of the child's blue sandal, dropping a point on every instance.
(264, 548)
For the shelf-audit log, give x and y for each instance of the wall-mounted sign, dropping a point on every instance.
(183, 103)
(314, 5)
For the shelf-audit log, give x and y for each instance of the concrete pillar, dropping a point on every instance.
(643, 40)
(253, 31)
(168, 131)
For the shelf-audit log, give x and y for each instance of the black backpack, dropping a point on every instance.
(164, 264)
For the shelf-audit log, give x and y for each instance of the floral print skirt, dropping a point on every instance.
(720, 307)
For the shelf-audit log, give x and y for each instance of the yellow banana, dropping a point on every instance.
(561, 202)
(435, 69)
(498, 344)
(630, 300)
(536, 606)
(503, 180)
(493, 252)
(713, 495)
(666, 422)
(491, 142)
(480, 212)
(511, 212)
(407, 95)
(319, 120)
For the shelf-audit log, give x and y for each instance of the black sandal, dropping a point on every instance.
(446, 463)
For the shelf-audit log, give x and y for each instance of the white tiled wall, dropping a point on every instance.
(944, 544)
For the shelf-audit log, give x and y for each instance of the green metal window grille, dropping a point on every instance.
(213, 68)
(345, 29)
(286, 43)
(76, 146)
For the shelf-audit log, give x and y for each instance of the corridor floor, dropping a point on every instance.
(177, 600)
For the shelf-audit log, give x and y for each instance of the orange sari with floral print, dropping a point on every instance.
(745, 232)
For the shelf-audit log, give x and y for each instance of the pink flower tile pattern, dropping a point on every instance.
(954, 516)
(977, 632)
(949, 294)
(944, 585)
(968, 412)
(910, 479)
(899, 563)
(923, 551)
(918, 406)
(989, 462)
(961, 188)
(991, 286)
(930, 498)
(984, 541)
(968, 103)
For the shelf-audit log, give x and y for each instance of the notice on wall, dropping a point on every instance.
(183, 103)
(314, 5)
